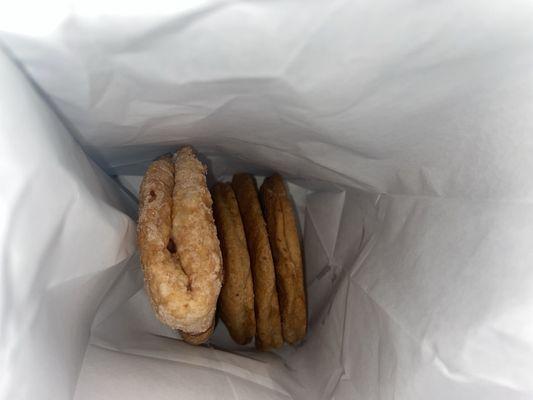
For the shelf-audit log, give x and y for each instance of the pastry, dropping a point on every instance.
(287, 255)
(268, 323)
(179, 248)
(236, 302)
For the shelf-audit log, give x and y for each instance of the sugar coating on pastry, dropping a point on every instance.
(179, 248)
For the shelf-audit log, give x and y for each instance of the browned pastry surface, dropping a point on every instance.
(236, 296)
(198, 338)
(285, 245)
(179, 249)
(268, 324)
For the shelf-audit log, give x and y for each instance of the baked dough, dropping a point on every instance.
(236, 300)
(268, 323)
(178, 244)
(287, 255)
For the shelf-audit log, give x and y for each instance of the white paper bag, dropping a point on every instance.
(404, 130)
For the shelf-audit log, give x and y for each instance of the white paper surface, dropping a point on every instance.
(405, 128)
(65, 238)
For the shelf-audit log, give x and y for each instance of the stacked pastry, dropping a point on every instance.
(262, 293)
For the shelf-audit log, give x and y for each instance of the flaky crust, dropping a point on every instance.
(268, 324)
(287, 255)
(179, 249)
(236, 296)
